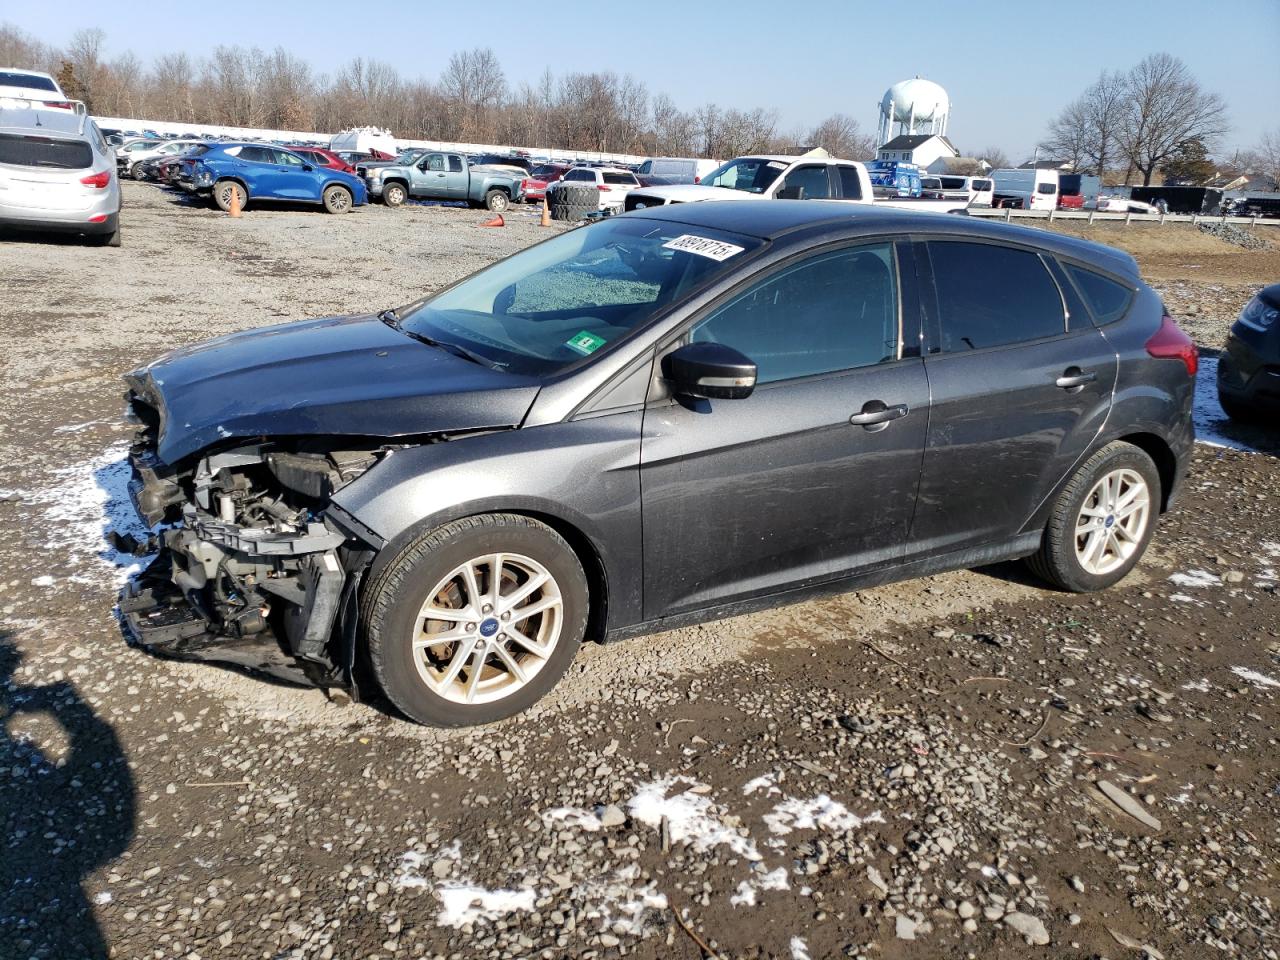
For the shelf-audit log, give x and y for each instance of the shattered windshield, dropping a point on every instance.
(553, 304)
(752, 174)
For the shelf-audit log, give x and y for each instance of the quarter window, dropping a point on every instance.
(455, 163)
(831, 312)
(990, 296)
(1107, 299)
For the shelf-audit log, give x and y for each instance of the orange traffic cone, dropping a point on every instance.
(546, 213)
(235, 202)
(495, 222)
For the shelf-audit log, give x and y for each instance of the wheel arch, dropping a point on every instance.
(572, 530)
(1158, 449)
(235, 178)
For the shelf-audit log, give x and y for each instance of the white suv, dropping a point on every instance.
(612, 183)
(20, 89)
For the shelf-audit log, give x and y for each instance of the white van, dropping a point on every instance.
(677, 169)
(1025, 189)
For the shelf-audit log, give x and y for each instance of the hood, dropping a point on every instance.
(692, 192)
(342, 376)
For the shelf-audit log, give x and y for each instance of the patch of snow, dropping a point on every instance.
(1183, 598)
(690, 816)
(102, 898)
(766, 782)
(747, 889)
(465, 904)
(1253, 676)
(409, 871)
(820, 812)
(1195, 578)
(620, 904)
(1200, 686)
(572, 817)
(799, 950)
(1207, 412)
(45, 581)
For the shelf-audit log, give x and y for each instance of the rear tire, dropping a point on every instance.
(497, 201)
(111, 239)
(1235, 410)
(450, 569)
(135, 172)
(222, 191)
(337, 199)
(1101, 522)
(394, 194)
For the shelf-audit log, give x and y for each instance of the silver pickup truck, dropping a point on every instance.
(444, 176)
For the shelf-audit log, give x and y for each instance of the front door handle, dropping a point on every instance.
(1074, 379)
(876, 415)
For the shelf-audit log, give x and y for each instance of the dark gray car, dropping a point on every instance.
(662, 418)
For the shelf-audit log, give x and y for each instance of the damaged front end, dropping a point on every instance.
(254, 566)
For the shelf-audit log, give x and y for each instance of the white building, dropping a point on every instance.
(923, 149)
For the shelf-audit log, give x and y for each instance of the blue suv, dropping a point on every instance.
(259, 171)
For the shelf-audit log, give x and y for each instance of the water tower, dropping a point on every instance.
(914, 106)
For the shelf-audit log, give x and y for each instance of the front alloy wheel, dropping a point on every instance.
(476, 620)
(488, 628)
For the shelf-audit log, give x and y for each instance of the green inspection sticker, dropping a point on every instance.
(584, 342)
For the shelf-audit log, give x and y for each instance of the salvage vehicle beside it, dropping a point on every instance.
(57, 172)
(446, 176)
(657, 419)
(256, 171)
(766, 177)
(1249, 366)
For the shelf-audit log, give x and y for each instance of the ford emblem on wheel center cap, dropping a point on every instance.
(489, 627)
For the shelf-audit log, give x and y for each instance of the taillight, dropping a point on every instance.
(98, 180)
(1171, 343)
(602, 187)
(59, 104)
(697, 179)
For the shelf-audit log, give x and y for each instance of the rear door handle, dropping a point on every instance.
(876, 415)
(1073, 378)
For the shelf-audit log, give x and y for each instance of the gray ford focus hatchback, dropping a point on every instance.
(666, 417)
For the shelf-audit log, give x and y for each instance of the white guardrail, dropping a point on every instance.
(1098, 216)
(302, 136)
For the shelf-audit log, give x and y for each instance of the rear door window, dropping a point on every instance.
(811, 180)
(621, 179)
(455, 163)
(50, 152)
(850, 183)
(257, 155)
(1106, 298)
(991, 296)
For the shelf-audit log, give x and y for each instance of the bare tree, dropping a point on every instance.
(1069, 134)
(841, 136)
(1105, 111)
(1265, 156)
(1166, 107)
(995, 157)
(475, 84)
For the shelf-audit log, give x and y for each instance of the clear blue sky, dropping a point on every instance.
(805, 60)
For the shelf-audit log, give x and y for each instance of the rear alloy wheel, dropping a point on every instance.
(476, 621)
(222, 191)
(337, 199)
(135, 172)
(394, 194)
(497, 201)
(1102, 521)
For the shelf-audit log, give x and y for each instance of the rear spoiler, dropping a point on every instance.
(45, 103)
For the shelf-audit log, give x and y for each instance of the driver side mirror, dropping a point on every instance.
(709, 371)
(791, 193)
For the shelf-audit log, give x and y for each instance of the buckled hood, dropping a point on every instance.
(341, 376)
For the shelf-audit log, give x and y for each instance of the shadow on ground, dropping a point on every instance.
(67, 808)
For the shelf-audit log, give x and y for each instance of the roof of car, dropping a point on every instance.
(775, 219)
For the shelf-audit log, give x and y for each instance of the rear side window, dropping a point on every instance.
(1047, 188)
(455, 163)
(850, 183)
(981, 185)
(51, 152)
(580, 175)
(620, 178)
(991, 296)
(256, 154)
(26, 80)
(1107, 299)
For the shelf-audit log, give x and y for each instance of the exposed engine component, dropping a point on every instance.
(251, 570)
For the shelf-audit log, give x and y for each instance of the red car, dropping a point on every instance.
(540, 177)
(322, 158)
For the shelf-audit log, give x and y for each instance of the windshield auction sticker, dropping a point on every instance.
(703, 247)
(584, 342)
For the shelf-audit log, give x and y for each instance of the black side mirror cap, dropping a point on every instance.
(791, 193)
(709, 371)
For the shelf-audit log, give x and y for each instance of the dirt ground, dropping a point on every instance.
(962, 766)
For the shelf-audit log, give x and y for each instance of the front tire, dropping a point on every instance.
(1101, 522)
(394, 194)
(476, 621)
(337, 199)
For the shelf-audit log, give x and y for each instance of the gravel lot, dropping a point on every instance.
(962, 766)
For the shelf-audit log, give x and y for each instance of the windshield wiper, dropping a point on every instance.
(390, 318)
